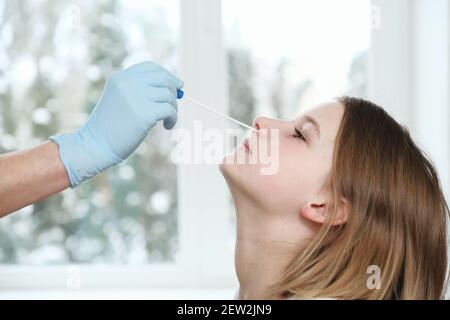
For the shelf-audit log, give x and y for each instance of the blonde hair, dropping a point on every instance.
(397, 220)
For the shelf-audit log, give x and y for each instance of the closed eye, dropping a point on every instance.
(299, 134)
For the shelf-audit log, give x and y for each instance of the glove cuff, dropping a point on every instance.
(80, 156)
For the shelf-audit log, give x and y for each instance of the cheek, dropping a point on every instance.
(298, 177)
(301, 173)
(291, 182)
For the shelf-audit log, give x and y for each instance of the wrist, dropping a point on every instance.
(81, 156)
(58, 175)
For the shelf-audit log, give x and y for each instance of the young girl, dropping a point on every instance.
(354, 211)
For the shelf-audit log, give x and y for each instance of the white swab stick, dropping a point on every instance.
(219, 113)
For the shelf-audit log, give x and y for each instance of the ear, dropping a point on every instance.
(317, 212)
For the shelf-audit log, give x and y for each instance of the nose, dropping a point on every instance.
(268, 125)
(261, 123)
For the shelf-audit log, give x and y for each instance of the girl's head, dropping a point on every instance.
(357, 196)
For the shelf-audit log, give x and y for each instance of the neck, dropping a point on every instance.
(262, 251)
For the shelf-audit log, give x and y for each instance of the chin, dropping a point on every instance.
(227, 167)
(222, 168)
(230, 170)
(228, 163)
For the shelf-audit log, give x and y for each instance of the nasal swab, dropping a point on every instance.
(220, 114)
(180, 94)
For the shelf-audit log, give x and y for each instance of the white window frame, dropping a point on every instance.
(205, 257)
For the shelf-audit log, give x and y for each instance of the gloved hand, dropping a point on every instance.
(133, 100)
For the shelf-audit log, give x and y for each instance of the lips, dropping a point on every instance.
(246, 145)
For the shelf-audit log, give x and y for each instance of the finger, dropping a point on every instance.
(160, 111)
(177, 81)
(148, 66)
(144, 66)
(164, 94)
(157, 79)
(170, 122)
(161, 95)
(163, 80)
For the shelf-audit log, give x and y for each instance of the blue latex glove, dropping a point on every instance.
(132, 101)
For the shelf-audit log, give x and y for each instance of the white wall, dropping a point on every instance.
(390, 69)
(409, 73)
(431, 83)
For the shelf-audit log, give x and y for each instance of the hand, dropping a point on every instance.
(132, 101)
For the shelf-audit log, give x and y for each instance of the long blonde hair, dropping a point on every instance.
(397, 220)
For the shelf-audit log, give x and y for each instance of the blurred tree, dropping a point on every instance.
(286, 101)
(23, 48)
(241, 87)
(278, 89)
(66, 52)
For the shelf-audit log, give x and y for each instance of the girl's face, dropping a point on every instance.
(301, 152)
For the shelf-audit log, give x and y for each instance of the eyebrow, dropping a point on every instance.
(314, 122)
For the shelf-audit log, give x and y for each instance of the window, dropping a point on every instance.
(54, 60)
(288, 55)
(142, 224)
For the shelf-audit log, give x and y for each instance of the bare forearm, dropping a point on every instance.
(29, 176)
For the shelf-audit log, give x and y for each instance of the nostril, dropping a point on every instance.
(256, 123)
